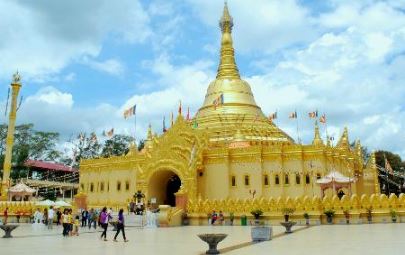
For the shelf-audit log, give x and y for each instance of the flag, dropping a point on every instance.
(313, 115)
(388, 165)
(180, 108)
(93, 137)
(322, 119)
(293, 115)
(195, 124)
(331, 138)
(110, 133)
(164, 124)
(188, 114)
(171, 119)
(81, 137)
(130, 112)
(218, 101)
(273, 116)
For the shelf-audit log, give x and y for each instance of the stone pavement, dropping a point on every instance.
(335, 239)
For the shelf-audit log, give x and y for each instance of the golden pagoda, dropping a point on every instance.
(229, 151)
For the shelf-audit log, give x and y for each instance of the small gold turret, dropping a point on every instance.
(149, 138)
(344, 140)
(317, 137)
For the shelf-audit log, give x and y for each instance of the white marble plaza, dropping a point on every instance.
(335, 239)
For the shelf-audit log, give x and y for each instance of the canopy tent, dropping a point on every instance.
(62, 203)
(21, 190)
(336, 181)
(46, 203)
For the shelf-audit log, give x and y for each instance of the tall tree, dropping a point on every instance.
(117, 145)
(394, 160)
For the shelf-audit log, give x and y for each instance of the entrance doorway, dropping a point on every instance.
(162, 187)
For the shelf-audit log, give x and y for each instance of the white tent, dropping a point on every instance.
(62, 203)
(335, 177)
(46, 203)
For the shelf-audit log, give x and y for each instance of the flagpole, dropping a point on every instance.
(135, 130)
(298, 133)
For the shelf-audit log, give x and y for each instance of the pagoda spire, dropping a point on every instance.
(227, 68)
(317, 137)
(344, 140)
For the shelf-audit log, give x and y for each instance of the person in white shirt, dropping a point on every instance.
(51, 214)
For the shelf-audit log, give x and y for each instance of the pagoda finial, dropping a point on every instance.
(150, 135)
(317, 137)
(227, 66)
(16, 78)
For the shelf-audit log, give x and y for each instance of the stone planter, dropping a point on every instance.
(307, 221)
(261, 233)
(394, 220)
(329, 219)
(212, 240)
(286, 217)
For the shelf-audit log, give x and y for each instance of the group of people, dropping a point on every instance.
(217, 219)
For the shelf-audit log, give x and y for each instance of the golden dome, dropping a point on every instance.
(229, 104)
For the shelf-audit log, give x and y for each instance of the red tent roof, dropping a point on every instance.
(49, 166)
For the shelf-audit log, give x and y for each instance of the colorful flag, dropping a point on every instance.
(81, 137)
(273, 116)
(188, 114)
(93, 137)
(293, 115)
(195, 124)
(322, 119)
(313, 115)
(180, 108)
(164, 124)
(332, 138)
(130, 112)
(388, 165)
(218, 101)
(110, 133)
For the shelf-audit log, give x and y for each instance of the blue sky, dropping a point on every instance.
(84, 62)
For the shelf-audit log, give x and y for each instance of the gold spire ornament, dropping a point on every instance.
(317, 137)
(227, 68)
(15, 88)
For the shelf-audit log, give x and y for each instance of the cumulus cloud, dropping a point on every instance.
(42, 37)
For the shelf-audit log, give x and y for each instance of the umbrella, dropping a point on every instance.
(62, 203)
(46, 203)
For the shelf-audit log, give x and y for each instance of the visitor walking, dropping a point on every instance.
(5, 216)
(70, 222)
(65, 223)
(50, 217)
(76, 225)
(120, 226)
(90, 217)
(104, 223)
(221, 218)
(214, 217)
(85, 214)
(58, 217)
(45, 218)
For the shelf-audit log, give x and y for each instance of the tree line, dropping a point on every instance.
(30, 143)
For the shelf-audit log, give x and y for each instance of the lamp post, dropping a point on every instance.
(15, 89)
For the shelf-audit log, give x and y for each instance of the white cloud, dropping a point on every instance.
(41, 38)
(110, 66)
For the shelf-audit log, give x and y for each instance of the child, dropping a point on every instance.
(76, 226)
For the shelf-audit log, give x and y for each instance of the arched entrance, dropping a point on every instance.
(162, 187)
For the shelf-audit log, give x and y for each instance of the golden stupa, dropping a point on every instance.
(230, 151)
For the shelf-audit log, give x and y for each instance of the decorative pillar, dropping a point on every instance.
(15, 88)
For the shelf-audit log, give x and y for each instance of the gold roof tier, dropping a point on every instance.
(229, 104)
